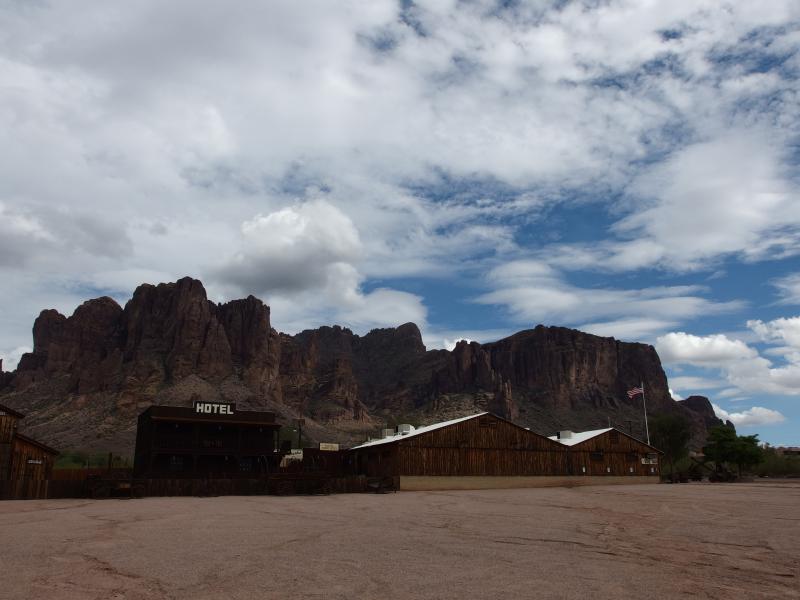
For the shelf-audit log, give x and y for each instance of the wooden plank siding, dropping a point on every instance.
(485, 445)
(488, 445)
(613, 453)
(24, 489)
(480, 461)
(31, 460)
(8, 427)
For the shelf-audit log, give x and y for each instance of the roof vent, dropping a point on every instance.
(405, 429)
(564, 435)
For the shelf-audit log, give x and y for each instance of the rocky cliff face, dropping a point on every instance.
(90, 374)
(700, 410)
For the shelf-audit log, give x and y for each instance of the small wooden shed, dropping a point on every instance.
(22, 457)
(607, 452)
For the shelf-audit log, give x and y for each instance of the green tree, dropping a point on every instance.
(671, 435)
(725, 447)
(748, 452)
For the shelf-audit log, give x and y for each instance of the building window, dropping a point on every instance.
(608, 469)
(487, 422)
(632, 457)
(583, 469)
(596, 455)
(614, 437)
(175, 463)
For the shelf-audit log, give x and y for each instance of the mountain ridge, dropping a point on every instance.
(89, 375)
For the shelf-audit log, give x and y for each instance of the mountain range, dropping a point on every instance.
(90, 374)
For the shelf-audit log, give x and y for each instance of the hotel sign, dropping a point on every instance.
(214, 408)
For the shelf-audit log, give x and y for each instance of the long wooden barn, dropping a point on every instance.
(487, 451)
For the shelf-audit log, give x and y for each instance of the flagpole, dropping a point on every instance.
(644, 404)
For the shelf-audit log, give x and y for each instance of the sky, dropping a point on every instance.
(628, 168)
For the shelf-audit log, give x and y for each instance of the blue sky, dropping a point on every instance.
(627, 168)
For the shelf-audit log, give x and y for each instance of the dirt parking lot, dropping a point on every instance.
(649, 541)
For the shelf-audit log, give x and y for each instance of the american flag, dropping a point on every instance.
(635, 392)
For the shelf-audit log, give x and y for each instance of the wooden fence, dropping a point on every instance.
(84, 474)
(29, 489)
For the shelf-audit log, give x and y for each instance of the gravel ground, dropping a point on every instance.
(649, 541)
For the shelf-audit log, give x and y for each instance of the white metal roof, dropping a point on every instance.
(580, 436)
(417, 431)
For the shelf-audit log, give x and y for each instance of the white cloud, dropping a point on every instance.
(11, 358)
(757, 415)
(139, 137)
(628, 329)
(729, 195)
(711, 350)
(294, 249)
(733, 394)
(712, 199)
(786, 330)
(741, 365)
(690, 384)
(789, 288)
(304, 258)
(534, 292)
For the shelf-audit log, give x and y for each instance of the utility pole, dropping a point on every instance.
(644, 404)
(300, 423)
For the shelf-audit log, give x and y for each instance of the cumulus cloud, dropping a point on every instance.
(304, 258)
(741, 365)
(712, 350)
(757, 415)
(785, 330)
(293, 249)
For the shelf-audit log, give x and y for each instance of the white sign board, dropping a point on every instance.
(213, 408)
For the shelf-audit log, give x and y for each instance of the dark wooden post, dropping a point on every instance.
(300, 423)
